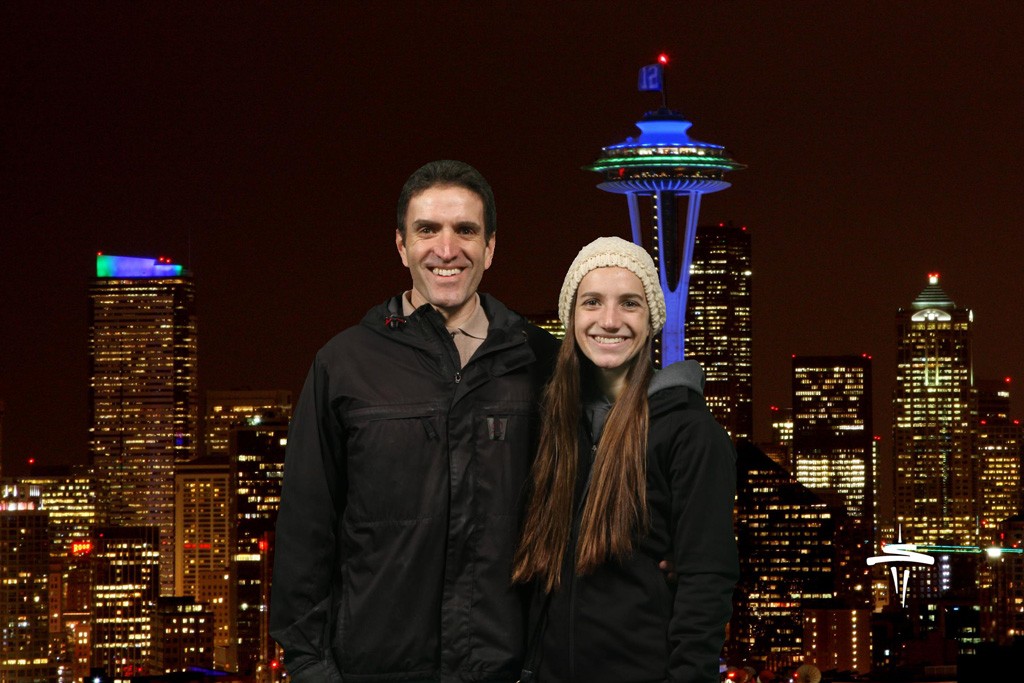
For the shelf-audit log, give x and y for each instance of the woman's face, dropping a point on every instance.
(611, 317)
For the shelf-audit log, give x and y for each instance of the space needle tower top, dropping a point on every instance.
(665, 166)
(663, 157)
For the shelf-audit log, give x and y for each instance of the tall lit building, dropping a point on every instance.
(257, 456)
(935, 474)
(143, 393)
(997, 447)
(68, 497)
(719, 331)
(68, 494)
(225, 409)
(205, 531)
(832, 429)
(24, 588)
(786, 538)
(126, 563)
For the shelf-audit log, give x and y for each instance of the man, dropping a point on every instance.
(407, 456)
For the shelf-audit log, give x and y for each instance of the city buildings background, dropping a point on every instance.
(257, 147)
(263, 147)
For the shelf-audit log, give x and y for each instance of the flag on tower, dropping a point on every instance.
(650, 78)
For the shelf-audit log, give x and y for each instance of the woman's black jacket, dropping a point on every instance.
(625, 623)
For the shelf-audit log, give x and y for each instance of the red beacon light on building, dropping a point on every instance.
(663, 59)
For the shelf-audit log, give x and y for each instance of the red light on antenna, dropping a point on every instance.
(1006, 379)
(663, 59)
(31, 461)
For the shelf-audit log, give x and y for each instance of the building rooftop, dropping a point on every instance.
(932, 296)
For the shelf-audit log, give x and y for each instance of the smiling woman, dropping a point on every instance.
(612, 323)
(631, 470)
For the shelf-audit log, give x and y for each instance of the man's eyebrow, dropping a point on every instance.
(423, 222)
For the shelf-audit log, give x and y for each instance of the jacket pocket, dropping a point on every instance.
(395, 463)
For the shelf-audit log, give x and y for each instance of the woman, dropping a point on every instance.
(631, 469)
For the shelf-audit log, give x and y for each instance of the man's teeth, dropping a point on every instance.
(447, 272)
(609, 340)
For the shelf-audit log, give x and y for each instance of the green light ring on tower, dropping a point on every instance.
(681, 162)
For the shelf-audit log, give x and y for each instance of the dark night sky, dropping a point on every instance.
(265, 145)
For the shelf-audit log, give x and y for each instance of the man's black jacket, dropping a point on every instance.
(401, 502)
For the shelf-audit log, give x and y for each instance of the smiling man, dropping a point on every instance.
(406, 460)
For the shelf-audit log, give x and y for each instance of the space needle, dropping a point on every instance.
(666, 165)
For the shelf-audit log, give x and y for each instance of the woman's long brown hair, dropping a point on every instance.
(616, 502)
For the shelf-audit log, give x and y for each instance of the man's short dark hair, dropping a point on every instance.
(443, 173)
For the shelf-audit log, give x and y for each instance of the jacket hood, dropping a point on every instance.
(687, 373)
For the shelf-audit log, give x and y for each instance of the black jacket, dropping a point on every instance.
(401, 502)
(625, 623)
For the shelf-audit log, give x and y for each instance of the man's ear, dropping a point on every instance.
(400, 244)
(489, 251)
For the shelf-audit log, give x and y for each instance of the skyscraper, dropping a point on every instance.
(125, 588)
(786, 538)
(935, 473)
(997, 447)
(832, 429)
(718, 324)
(24, 587)
(143, 393)
(257, 455)
(205, 542)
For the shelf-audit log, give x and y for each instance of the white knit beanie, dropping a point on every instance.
(605, 252)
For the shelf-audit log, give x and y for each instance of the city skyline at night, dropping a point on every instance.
(248, 145)
(248, 159)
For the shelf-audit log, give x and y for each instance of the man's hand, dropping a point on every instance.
(669, 570)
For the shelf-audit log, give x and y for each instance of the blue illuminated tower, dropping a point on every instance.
(665, 164)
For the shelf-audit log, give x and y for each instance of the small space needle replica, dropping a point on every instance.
(665, 164)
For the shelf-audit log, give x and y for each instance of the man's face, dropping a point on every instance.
(444, 246)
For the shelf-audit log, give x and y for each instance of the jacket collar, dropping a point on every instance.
(507, 331)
